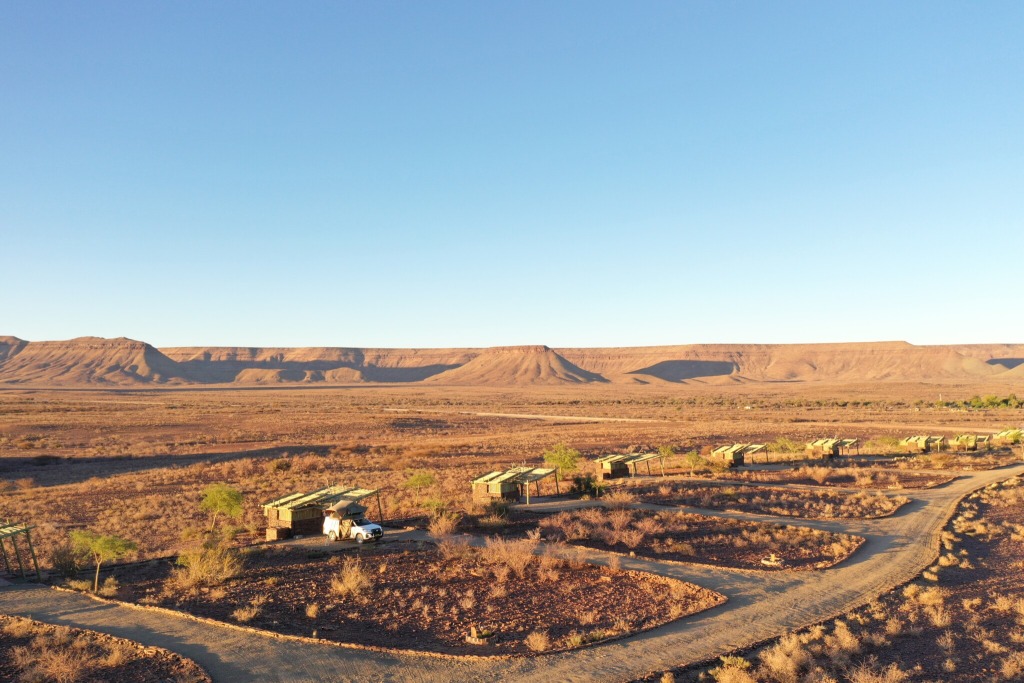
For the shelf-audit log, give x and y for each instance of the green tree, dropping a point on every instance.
(102, 548)
(221, 499)
(420, 480)
(694, 460)
(562, 457)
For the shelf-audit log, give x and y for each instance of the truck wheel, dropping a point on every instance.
(360, 538)
(331, 536)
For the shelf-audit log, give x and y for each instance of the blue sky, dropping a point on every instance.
(475, 174)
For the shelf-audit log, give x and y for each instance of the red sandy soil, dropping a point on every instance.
(962, 621)
(810, 504)
(685, 537)
(422, 600)
(982, 460)
(72, 654)
(841, 477)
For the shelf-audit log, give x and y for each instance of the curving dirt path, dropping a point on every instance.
(761, 606)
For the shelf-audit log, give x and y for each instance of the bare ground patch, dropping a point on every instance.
(809, 504)
(427, 598)
(33, 651)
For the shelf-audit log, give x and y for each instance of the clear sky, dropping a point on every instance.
(484, 173)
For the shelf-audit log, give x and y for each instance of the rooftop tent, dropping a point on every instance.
(10, 532)
(512, 483)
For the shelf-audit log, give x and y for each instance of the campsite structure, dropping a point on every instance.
(303, 513)
(969, 442)
(12, 532)
(511, 484)
(615, 466)
(923, 444)
(737, 453)
(827, 448)
(1008, 437)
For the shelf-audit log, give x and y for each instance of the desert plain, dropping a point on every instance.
(875, 565)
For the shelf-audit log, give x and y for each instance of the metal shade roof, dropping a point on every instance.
(739, 448)
(7, 529)
(628, 459)
(516, 475)
(326, 497)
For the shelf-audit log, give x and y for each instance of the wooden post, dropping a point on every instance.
(648, 468)
(527, 493)
(662, 461)
(17, 554)
(7, 562)
(32, 551)
(380, 510)
(557, 490)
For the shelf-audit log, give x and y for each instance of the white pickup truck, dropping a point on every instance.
(361, 530)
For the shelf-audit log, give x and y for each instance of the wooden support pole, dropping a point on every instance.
(32, 551)
(648, 468)
(17, 554)
(557, 490)
(662, 461)
(380, 510)
(7, 562)
(527, 493)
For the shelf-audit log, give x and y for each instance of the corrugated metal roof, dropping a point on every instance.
(8, 529)
(516, 475)
(323, 498)
(628, 459)
(740, 448)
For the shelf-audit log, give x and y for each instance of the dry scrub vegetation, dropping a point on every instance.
(963, 620)
(430, 598)
(685, 537)
(838, 476)
(33, 652)
(807, 503)
(134, 463)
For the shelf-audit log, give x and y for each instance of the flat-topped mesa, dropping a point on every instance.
(89, 360)
(122, 361)
(527, 348)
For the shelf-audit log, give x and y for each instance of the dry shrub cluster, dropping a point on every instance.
(813, 504)
(669, 534)
(963, 621)
(352, 579)
(41, 653)
(210, 565)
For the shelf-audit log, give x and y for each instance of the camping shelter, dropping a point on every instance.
(12, 532)
(923, 444)
(303, 513)
(737, 453)
(511, 484)
(615, 466)
(831, 447)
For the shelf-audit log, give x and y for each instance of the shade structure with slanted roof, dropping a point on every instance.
(831, 447)
(303, 513)
(737, 453)
(511, 484)
(1008, 437)
(965, 442)
(923, 444)
(10, 533)
(617, 465)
